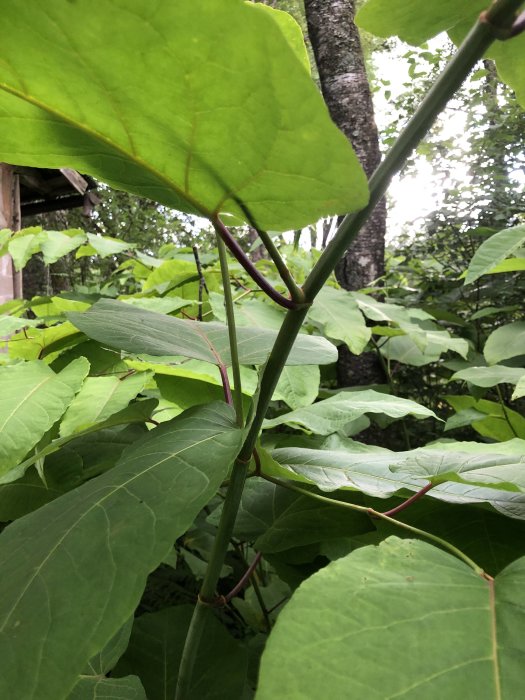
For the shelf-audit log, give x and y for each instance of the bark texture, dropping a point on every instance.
(339, 56)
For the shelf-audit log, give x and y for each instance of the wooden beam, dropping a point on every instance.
(75, 179)
(7, 184)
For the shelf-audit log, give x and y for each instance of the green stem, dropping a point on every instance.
(211, 578)
(296, 292)
(230, 316)
(382, 516)
(200, 615)
(272, 371)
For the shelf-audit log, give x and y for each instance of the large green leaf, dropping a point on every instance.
(197, 104)
(162, 305)
(383, 474)
(498, 471)
(292, 31)
(52, 244)
(298, 386)
(138, 331)
(155, 650)
(32, 399)
(510, 61)
(492, 540)
(402, 620)
(509, 56)
(333, 414)
(330, 470)
(250, 312)
(25, 244)
(337, 313)
(505, 342)
(74, 571)
(508, 265)
(171, 274)
(136, 413)
(106, 659)
(60, 473)
(493, 251)
(404, 349)
(415, 21)
(490, 376)
(100, 398)
(420, 346)
(59, 243)
(103, 246)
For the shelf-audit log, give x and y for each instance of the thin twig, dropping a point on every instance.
(239, 254)
(226, 384)
(382, 516)
(256, 590)
(245, 578)
(232, 333)
(409, 501)
(504, 409)
(202, 280)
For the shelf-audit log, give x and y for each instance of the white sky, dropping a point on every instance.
(413, 197)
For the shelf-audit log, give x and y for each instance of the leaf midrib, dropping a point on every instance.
(494, 637)
(26, 398)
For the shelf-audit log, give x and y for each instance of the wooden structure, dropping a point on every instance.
(30, 191)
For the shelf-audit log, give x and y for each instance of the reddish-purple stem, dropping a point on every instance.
(239, 254)
(409, 501)
(244, 580)
(226, 384)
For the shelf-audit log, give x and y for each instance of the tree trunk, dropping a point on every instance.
(339, 56)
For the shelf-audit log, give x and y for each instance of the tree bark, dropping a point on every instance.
(344, 83)
(339, 56)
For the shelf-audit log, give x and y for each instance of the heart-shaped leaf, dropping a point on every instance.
(416, 621)
(201, 105)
